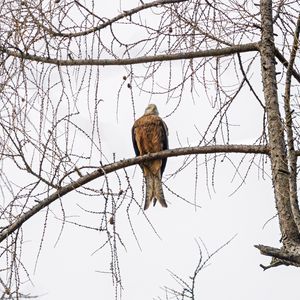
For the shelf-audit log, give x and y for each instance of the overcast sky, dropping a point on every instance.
(71, 269)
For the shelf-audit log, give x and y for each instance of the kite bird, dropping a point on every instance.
(149, 135)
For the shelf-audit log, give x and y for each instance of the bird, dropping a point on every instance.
(150, 135)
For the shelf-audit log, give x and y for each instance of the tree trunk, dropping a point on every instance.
(278, 153)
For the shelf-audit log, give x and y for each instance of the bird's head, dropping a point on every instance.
(151, 110)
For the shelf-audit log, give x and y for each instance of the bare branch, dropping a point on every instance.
(127, 13)
(292, 158)
(283, 256)
(103, 171)
(282, 59)
(137, 60)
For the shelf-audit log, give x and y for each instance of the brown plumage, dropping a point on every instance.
(149, 135)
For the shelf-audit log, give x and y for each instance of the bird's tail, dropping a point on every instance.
(149, 190)
(158, 192)
(154, 191)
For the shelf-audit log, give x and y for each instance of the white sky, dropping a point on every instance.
(70, 270)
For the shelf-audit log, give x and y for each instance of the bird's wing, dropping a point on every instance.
(150, 134)
(165, 144)
(135, 146)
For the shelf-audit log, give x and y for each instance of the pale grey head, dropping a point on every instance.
(151, 110)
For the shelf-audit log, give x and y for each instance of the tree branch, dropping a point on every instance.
(131, 61)
(8, 230)
(292, 158)
(127, 13)
(282, 59)
(283, 257)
